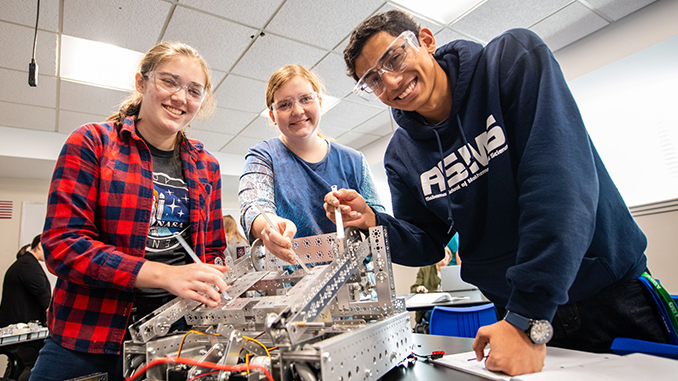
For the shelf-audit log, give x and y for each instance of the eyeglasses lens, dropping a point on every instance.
(393, 60)
(172, 84)
(286, 105)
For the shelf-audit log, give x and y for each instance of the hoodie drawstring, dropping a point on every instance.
(450, 220)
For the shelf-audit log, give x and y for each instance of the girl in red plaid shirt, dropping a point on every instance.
(122, 191)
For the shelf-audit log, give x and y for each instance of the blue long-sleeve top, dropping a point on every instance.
(289, 186)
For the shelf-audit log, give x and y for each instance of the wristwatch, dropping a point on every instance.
(539, 331)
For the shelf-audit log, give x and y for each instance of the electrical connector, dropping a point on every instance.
(33, 73)
(437, 354)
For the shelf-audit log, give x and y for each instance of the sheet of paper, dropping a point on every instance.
(636, 366)
(556, 358)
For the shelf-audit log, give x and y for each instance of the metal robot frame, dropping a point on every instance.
(340, 321)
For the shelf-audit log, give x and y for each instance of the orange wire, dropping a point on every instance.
(181, 345)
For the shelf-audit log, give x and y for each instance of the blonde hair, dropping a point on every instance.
(155, 57)
(286, 74)
(231, 228)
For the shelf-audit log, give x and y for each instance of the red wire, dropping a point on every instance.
(204, 364)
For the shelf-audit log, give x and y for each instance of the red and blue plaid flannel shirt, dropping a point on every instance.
(98, 216)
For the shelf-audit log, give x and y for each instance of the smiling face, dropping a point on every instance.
(411, 89)
(163, 114)
(300, 122)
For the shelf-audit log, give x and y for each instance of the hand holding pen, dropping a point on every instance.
(197, 281)
(196, 259)
(274, 229)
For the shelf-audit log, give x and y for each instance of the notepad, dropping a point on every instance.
(434, 298)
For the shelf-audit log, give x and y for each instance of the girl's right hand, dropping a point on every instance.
(192, 281)
(277, 240)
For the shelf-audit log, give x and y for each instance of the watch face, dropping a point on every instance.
(541, 332)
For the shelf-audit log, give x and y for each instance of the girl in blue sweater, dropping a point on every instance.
(289, 175)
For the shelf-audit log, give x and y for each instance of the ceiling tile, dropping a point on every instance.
(90, 99)
(70, 120)
(129, 24)
(217, 77)
(372, 101)
(331, 131)
(568, 25)
(19, 40)
(423, 22)
(254, 13)
(493, 17)
(381, 125)
(448, 35)
(43, 95)
(24, 116)
(356, 140)
(300, 20)
(221, 44)
(225, 121)
(211, 140)
(239, 145)
(270, 52)
(332, 72)
(23, 12)
(342, 45)
(616, 9)
(242, 93)
(346, 115)
(262, 128)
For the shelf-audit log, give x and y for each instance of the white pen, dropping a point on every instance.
(193, 255)
(272, 225)
(341, 238)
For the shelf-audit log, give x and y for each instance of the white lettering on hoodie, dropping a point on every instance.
(467, 161)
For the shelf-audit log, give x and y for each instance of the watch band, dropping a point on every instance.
(517, 320)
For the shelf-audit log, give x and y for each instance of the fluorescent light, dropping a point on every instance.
(328, 103)
(98, 64)
(442, 11)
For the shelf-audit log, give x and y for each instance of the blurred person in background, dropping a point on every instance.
(237, 244)
(25, 298)
(428, 279)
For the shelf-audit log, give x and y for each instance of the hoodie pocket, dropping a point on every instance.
(594, 274)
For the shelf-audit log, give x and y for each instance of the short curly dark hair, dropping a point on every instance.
(392, 22)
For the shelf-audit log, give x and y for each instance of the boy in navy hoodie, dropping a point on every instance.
(491, 145)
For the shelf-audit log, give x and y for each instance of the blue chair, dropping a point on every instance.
(461, 321)
(624, 345)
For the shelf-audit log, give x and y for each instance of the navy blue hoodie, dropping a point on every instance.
(514, 171)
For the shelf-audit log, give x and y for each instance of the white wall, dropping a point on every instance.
(659, 222)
